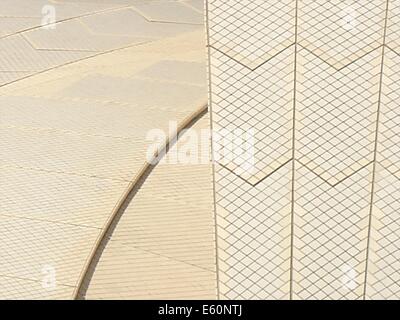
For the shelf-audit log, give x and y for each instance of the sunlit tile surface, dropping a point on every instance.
(317, 84)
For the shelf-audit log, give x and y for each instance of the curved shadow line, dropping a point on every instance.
(106, 232)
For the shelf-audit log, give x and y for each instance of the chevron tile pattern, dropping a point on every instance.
(70, 151)
(330, 235)
(251, 31)
(315, 83)
(393, 26)
(254, 235)
(336, 114)
(340, 31)
(260, 101)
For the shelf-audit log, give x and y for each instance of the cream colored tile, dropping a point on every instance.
(29, 248)
(124, 272)
(16, 54)
(389, 135)
(74, 36)
(253, 106)
(383, 268)
(162, 246)
(336, 115)
(96, 118)
(251, 31)
(199, 5)
(57, 197)
(72, 153)
(174, 12)
(11, 25)
(330, 235)
(128, 22)
(393, 26)
(22, 289)
(179, 71)
(340, 32)
(66, 158)
(253, 235)
(137, 91)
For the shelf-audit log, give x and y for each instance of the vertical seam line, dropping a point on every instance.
(293, 153)
(375, 150)
(212, 147)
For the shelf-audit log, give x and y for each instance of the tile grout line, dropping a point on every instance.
(304, 47)
(16, 216)
(95, 55)
(293, 155)
(259, 181)
(344, 66)
(243, 64)
(375, 151)
(166, 256)
(210, 106)
(32, 280)
(394, 51)
(67, 19)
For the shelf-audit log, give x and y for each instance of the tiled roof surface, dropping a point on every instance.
(77, 98)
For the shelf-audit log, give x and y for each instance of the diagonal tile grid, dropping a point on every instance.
(251, 31)
(340, 32)
(162, 246)
(253, 235)
(252, 91)
(383, 272)
(335, 123)
(261, 101)
(330, 235)
(393, 26)
(343, 246)
(82, 30)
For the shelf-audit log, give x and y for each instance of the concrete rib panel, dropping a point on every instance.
(330, 235)
(253, 228)
(344, 151)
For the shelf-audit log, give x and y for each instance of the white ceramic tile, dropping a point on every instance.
(336, 115)
(340, 32)
(255, 104)
(251, 31)
(253, 235)
(330, 235)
